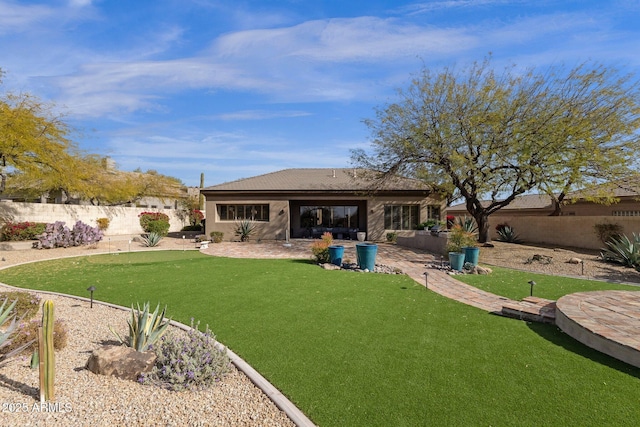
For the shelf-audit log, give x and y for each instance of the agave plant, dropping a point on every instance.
(245, 229)
(623, 250)
(144, 328)
(151, 239)
(8, 331)
(507, 234)
(467, 224)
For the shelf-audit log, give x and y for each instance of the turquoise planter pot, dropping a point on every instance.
(471, 254)
(335, 254)
(366, 255)
(456, 260)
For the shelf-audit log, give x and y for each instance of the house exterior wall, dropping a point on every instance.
(284, 213)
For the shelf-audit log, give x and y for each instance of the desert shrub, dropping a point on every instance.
(103, 223)
(151, 240)
(58, 235)
(188, 361)
(28, 331)
(606, 231)
(27, 304)
(154, 222)
(195, 217)
(623, 250)
(506, 233)
(245, 229)
(451, 220)
(8, 327)
(392, 237)
(16, 231)
(216, 236)
(459, 238)
(320, 248)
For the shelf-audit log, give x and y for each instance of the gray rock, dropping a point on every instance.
(329, 266)
(121, 361)
(574, 260)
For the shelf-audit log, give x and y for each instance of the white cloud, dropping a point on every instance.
(19, 18)
(260, 115)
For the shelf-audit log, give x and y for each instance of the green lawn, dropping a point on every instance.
(514, 284)
(355, 349)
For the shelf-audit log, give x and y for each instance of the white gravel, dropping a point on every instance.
(85, 399)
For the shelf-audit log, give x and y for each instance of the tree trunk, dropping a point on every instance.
(482, 220)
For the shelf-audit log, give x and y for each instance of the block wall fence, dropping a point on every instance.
(123, 220)
(567, 231)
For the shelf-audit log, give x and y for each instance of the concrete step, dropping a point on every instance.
(531, 309)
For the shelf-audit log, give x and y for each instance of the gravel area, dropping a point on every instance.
(83, 398)
(521, 257)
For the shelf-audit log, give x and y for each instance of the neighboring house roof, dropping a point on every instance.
(621, 188)
(525, 202)
(319, 180)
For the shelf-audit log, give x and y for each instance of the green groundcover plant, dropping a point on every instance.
(365, 349)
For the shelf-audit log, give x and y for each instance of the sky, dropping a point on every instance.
(238, 88)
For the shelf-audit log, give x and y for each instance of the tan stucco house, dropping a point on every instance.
(304, 203)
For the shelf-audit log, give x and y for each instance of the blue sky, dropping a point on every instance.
(237, 88)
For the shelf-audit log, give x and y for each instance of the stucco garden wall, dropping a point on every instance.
(123, 220)
(571, 231)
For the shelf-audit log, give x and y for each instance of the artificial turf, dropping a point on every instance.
(515, 285)
(363, 349)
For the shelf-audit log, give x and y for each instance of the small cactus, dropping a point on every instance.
(45, 349)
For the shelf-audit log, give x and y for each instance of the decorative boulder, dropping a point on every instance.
(574, 261)
(329, 266)
(121, 362)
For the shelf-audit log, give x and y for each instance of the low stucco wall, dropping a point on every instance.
(426, 241)
(123, 220)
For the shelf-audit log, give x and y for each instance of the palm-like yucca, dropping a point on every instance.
(622, 250)
(144, 328)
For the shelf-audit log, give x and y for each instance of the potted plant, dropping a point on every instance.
(458, 239)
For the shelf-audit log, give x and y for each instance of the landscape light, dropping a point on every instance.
(91, 289)
(532, 283)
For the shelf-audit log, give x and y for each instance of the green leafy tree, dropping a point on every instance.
(34, 142)
(488, 137)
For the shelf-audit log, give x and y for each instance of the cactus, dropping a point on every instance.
(46, 356)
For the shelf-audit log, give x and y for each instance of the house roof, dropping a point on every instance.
(527, 201)
(325, 179)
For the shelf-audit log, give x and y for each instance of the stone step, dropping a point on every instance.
(532, 309)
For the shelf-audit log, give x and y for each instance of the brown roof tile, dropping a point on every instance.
(339, 179)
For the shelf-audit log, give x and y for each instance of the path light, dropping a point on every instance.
(426, 280)
(129, 245)
(183, 243)
(91, 289)
(109, 245)
(582, 262)
(532, 283)
(441, 261)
